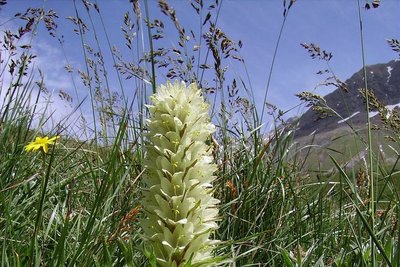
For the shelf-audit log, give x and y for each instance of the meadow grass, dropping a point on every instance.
(79, 203)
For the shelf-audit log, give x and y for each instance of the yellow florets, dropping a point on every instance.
(41, 143)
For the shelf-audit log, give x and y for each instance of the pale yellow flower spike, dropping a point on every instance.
(181, 213)
(41, 142)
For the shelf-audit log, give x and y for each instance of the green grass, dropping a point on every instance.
(78, 204)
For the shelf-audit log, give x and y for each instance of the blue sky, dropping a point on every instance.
(333, 25)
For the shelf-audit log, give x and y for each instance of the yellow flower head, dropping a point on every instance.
(41, 142)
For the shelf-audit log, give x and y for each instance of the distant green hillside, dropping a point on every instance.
(347, 147)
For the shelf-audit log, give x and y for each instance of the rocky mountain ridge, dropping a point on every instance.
(382, 79)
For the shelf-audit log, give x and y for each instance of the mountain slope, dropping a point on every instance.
(383, 79)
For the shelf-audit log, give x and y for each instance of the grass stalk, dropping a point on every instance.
(150, 36)
(278, 41)
(370, 152)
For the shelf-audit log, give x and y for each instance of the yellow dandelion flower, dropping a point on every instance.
(41, 143)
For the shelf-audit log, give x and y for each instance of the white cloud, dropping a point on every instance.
(53, 107)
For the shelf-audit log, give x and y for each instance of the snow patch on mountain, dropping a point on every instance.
(348, 118)
(389, 70)
(391, 107)
(372, 114)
